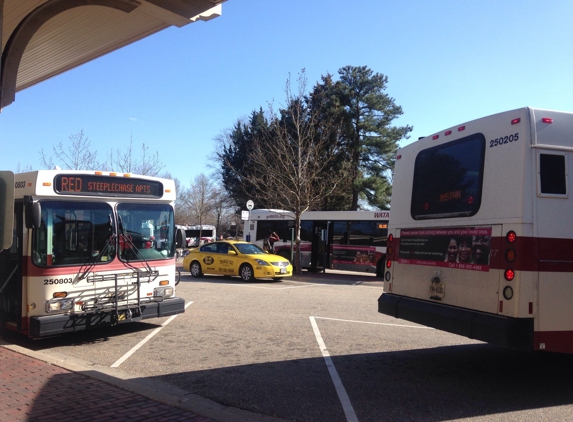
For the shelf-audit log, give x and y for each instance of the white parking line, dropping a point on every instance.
(274, 288)
(340, 390)
(145, 340)
(378, 323)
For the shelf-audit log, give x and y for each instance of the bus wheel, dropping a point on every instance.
(196, 269)
(284, 254)
(177, 275)
(380, 267)
(246, 272)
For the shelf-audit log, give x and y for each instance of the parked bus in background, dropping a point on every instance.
(342, 240)
(193, 236)
(481, 232)
(89, 249)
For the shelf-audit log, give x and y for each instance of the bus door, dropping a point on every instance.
(555, 258)
(321, 241)
(11, 274)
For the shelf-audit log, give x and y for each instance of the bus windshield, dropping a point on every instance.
(73, 233)
(148, 231)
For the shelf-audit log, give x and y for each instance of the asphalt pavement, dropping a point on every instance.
(36, 386)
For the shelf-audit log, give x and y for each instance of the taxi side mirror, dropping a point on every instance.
(232, 252)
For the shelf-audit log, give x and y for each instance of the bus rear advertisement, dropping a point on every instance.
(480, 239)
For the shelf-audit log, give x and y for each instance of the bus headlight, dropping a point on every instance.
(163, 291)
(60, 305)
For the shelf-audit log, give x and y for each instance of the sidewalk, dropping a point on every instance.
(34, 390)
(35, 386)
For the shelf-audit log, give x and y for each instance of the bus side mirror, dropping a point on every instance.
(33, 213)
(6, 208)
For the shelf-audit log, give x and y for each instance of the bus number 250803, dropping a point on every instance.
(502, 140)
(57, 281)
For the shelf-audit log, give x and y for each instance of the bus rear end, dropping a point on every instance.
(462, 219)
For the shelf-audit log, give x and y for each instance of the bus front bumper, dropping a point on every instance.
(49, 325)
(504, 331)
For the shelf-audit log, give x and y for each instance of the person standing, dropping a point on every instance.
(269, 241)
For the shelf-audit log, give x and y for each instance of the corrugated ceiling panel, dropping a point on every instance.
(80, 35)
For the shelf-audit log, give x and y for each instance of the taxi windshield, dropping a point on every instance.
(249, 248)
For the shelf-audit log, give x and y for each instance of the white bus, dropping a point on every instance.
(193, 236)
(342, 240)
(89, 249)
(481, 234)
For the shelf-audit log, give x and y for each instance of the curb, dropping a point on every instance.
(156, 390)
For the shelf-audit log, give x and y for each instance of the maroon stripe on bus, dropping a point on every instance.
(531, 254)
(31, 270)
(553, 341)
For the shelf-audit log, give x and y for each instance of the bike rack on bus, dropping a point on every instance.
(122, 312)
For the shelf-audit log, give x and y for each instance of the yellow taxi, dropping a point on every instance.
(236, 258)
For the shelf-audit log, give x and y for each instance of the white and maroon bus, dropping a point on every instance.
(343, 240)
(480, 240)
(88, 249)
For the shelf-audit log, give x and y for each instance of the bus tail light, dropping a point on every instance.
(511, 236)
(510, 255)
(388, 264)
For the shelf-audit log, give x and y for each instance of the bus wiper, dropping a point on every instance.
(91, 264)
(109, 242)
(127, 242)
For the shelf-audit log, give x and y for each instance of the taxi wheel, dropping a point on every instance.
(246, 272)
(196, 269)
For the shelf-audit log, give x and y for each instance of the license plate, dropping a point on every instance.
(283, 271)
(437, 290)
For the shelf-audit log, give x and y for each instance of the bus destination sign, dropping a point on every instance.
(94, 185)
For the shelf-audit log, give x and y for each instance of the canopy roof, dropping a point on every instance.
(43, 38)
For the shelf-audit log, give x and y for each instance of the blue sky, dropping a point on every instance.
(447, 62)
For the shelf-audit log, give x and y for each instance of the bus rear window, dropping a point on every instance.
(448, 179)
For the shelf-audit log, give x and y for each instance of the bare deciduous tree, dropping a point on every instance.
(126, 162)
(78, 155)
(223, 210)
(199, 199)
(288, 162)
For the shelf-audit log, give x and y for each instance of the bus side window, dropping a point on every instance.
(552, 174)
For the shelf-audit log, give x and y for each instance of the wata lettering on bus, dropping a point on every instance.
(463, 248)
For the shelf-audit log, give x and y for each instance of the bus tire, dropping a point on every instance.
(380, 267)
(246, 273)
(177, 275)
(195, 269)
